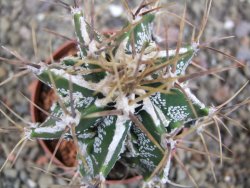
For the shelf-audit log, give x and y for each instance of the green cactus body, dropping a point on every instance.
(84, 33)
(136, 135)
(141, 34)
(106, 146)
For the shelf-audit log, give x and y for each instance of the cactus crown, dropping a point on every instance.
(121, 98)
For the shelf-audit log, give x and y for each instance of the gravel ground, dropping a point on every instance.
(228, 17)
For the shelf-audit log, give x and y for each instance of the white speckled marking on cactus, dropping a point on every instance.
(177, 113)
(97, 144)
(142, 37)
(148, 164)
(143, 143)
(179, 67)
(85, 135)
(109, 120)
(159, 101)
(78, 98)
(146, 154)
(90, 165)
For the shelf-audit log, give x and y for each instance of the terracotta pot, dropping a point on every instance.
(36, 88)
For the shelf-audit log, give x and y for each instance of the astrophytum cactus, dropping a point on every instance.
(120, 98)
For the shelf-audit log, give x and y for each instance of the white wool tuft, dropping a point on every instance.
(66, 120)
(193, 98)
(122, 103)
(77, 10)
(27, 133)
(37, 71)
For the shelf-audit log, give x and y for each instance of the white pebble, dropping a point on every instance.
(115, 10)
(229, 24)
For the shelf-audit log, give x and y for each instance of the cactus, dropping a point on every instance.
(121, 98)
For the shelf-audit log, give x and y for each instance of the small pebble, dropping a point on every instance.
(25, 33)
(17, 184)
(31, 183)
(181, 175)
(2, 72)
(5, 24)
(115, 10)
(33, 153)
(243, 53)
(23, 175)
(229, 24)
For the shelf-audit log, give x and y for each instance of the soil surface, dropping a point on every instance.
(227, 18)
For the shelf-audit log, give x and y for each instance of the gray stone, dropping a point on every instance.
(2, 73)
(45, 181)
(17, 184)
(17, 9)
(14, 39)
(33, 153)
(19, 165)
(25, 33)
(247, 70)
(61, 182)
(34, 175)
(244, 53)
(5, 25)
(222, 185)
(11, 173)
(117, 186)
(23, 175)
(21, 108)
(242, 29)
(181, 175)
